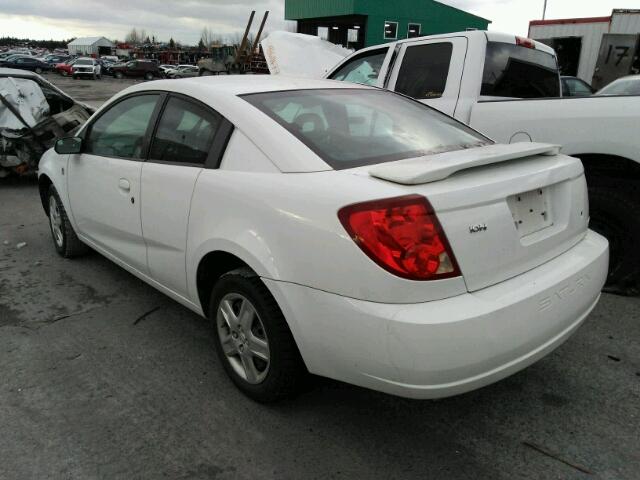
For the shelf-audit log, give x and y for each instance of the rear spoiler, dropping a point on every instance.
(432, 168)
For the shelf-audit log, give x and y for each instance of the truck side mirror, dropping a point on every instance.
(67, 146)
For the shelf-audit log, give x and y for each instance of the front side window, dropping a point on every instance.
(515, 71)
(185, 133)
(353, 127)
(424, 70)
(363, 68)
(121, 130)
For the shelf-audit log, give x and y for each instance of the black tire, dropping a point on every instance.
(614, 214)
(38, 70)
(286, 373)
(148, 76)
(64, 73)
(75, 77)
(70, 246)
(118, 75)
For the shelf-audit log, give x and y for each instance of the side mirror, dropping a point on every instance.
(70, 145)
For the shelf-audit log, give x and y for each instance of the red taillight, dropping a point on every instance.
(525, 42)
(403, 236)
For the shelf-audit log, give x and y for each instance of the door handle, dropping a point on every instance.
(124, 185)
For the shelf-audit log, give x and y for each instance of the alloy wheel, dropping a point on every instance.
(243, 338)
(56, 221)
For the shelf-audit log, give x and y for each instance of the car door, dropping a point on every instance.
(187, 139)
(104, 180)
(431, 71)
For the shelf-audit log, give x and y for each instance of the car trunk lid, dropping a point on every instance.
(505, 209)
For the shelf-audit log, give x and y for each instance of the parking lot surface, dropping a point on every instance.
(89, 91)
(104, 377)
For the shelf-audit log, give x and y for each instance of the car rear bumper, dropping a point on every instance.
(447, 347)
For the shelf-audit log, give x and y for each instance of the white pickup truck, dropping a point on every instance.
(508, 88)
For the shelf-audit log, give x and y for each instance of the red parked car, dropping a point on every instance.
(65, 68)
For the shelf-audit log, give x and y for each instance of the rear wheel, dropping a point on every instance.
(614, 214)
(148, 76)
(38, 70)
(118, 75)
(65, 240)
(252, 338)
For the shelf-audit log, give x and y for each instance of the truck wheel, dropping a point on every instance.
(614, 215)
(119, 75)
(65, 240)
(148, 76)
(252, 338)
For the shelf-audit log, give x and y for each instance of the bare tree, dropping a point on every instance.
(207, 37)
(132, 37)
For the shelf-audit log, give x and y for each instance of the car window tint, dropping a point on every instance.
(185, 133)
(364, 68)
(578, 87)
(353, 127)
(121, 130)
(424, 70)
(515, 71)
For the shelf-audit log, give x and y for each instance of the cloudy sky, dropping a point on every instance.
(184, 19)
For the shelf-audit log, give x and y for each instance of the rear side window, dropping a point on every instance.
(424, 70)
(185, 133)
(120, 131)
(514, 71)
(364, 68)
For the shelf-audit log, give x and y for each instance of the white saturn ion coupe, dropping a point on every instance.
(335, 229)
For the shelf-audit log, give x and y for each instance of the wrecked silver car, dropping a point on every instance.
(33, 115)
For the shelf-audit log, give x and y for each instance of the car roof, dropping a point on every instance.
(223, 85)
(221, 92)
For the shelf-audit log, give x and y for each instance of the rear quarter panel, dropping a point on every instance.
(286, 228)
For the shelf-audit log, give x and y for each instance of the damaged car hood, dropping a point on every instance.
(33, 115)
(301, 55)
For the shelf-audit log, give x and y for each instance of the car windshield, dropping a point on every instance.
(353, 127)
(623, 86)
(84, 62)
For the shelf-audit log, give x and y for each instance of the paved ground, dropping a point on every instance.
(88, 390)
(91, 92)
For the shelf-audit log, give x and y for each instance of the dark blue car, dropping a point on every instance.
(26, 63)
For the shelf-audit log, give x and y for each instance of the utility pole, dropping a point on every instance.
(544, 10)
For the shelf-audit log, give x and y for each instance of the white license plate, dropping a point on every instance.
(531, 211)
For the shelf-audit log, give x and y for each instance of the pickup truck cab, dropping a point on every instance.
(509, 88)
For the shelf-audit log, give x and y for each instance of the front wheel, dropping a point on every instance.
(252, 338)
(148, 76)
(65, 240)
(38, 70)
(64, 73)
(119, 75)
(614, 215)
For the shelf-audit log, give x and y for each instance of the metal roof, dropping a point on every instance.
(88, 40)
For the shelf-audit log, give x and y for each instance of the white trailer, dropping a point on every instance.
(582, 44)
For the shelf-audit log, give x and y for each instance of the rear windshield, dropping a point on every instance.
(514, 71)
(353, 127)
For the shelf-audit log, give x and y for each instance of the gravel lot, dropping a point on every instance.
(92, 389)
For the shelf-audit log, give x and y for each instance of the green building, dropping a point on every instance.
(362, 23)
